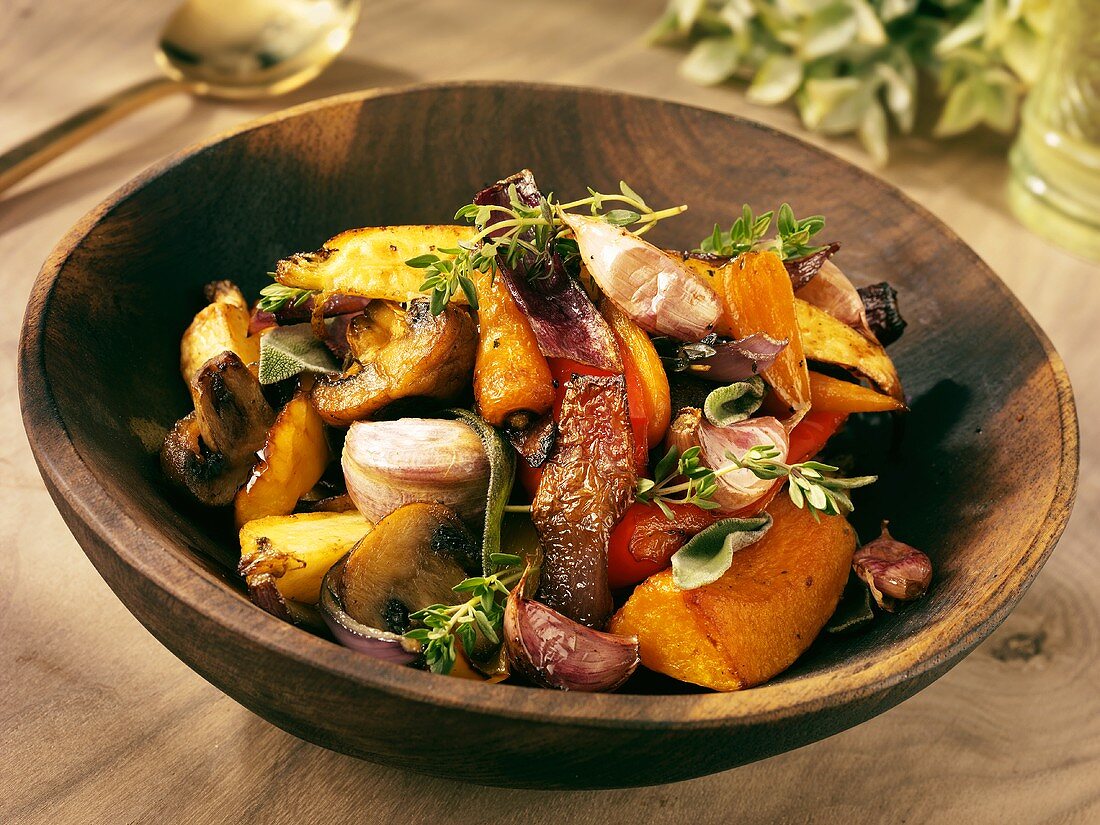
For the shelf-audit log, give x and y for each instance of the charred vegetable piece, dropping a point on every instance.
(562, 317)
(833, 292)
(512, 382)
(880, 302)
(725, 360)
(535, 442)
(759, 299)
(834, 395)
(553, 651)
(653, 288)
(409, 561)
(758, 617)
(210, 452)
(827, 340)
(640, 358)
(292, 461)
(370, 262)
(283, 558)
(388, 464)
(222, 326)
(585, 488)
(427, 356)
(892, 570)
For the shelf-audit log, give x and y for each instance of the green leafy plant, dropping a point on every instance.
(853, 66)
(274, 297)
(811, 484)
(481, 616)
(748, 233)
(523, 230)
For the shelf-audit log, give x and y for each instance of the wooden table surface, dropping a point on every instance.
(99, 723)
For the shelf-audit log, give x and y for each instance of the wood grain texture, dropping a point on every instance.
(101, 721)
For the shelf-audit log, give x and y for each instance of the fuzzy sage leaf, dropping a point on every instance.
(728, 405)
(709, 554)
(288, 351)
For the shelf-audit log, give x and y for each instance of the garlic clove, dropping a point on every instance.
(894, 571)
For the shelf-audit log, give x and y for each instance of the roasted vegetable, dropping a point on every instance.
(812, 433)
(221, 326)
(739, 490)
(210, 452)
(830, 394)
(427, 355)
(562, 317)
(640, 359)
(831, 291)
(512, 382)
(892, 570)
(759, 299)
(880, 304)
(829, 341)
(644, 540)
(370, 262)
(758, 618)
(585, 488)
(284, 558)
(411, 560)
(388, 464)
(378, 644)
(292, 460)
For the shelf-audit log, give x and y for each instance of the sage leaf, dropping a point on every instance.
(288, 351)
(708, 555)
(728, 405)
(854, 610)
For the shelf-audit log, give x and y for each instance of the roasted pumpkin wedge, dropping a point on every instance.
(284, 558)
(830, 341)
(428, 356)
(221, 326)
(758, 618)
(292, 460)
(371, 262)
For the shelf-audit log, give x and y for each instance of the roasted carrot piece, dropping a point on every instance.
(833, 395)
(758, 297)
(642, 356)
(512, 380)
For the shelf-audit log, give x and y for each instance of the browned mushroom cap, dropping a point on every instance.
(210, 451)
(400, 355)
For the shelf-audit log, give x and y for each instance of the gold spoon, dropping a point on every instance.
(226, 49)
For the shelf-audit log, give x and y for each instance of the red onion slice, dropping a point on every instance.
(380, 644)
(720, 359)
(802, 270)
(555, 652)
(657, 291)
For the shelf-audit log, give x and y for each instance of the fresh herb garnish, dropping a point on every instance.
(708, 555)
(274, 297)
(288, 351)
(809, 485)
(482, 614)
(748, 233)
(522, 230)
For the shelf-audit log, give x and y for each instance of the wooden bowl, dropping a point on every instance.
(982, 476)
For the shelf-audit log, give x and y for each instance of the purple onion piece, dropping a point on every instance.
(556, 652)
(336, 303)
(802, 270)
(719, 359)
(565, 322)
(380, 644)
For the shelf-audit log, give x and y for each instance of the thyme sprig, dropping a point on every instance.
(274, 297)
(482, 614)
(748, 233)
(682, 479)
(524, 230)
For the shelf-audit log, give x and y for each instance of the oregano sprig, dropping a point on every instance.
(481, 615)
(522, 229)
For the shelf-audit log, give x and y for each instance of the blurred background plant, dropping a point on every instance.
(854, 66)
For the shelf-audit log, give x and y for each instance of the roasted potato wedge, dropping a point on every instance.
(221, 326)
(758, 618)
(293, 459)
(830, 341)
(431, 356)
(371, 262)
(294, 552)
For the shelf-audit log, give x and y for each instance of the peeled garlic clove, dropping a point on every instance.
(388, 464)
(740, 488)
(894, 571)
(657, 291)
(683, 432)
(556, 652)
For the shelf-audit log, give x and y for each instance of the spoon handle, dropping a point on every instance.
(21, 160)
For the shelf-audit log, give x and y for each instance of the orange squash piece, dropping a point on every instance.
(832, 395)
(511, 376)
(293, 460)
(758, 618)
(758, 297)
(642, 356)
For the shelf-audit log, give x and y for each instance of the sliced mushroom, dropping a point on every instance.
(210, 451)
(411, 560)
(399, 355)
